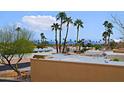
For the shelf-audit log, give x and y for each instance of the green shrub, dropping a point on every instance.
(97, 46)
(39, 56)
(83, 50)
(115, 59)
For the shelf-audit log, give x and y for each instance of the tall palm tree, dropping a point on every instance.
(78, 23)
(108, 31)
(68, 21)
(56, 27)
(60, 16)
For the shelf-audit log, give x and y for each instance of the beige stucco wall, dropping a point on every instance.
(47, 71)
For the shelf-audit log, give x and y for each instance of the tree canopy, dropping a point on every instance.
(14, 43)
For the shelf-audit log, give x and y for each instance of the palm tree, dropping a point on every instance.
(110, 26)
(18, 29)
(43, 40)
(68, 21)
(42, 37)
(105, 34)
(105, 23)
(108, 31)
(56, 27)
(60, 16)
(78, 23)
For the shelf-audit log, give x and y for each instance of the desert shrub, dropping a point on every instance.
(39, 56)
(115, 59)
(83, 50)
(89, 45)
(113, 44)
(14, 41)
(97, 46)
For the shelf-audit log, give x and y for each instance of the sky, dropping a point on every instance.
(40, 22)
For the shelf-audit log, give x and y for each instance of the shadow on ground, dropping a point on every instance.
(20, 65)
(4, 80)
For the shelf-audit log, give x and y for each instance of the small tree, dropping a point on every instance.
(13, 45)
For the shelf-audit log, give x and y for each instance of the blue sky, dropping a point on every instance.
(40, 21)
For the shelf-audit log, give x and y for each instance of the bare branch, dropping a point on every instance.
(119, 23)
(20, 58)
(11, 57)
(2, 61)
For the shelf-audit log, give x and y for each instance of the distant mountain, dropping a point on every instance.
(85, 42)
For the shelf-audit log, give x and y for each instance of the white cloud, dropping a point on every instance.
(38, 23)
(118, 40)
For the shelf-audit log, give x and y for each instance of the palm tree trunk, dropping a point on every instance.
(108, 40)
(56, 41)
(60, 37)
(79, 47)
(77, 38)
(60, 41)
(65, 38)
(105, 41)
